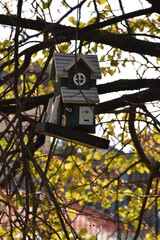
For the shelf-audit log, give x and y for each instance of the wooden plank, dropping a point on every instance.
(62, 60)
(85, 60)
(94, 61)
(71, 135)
(79, 96)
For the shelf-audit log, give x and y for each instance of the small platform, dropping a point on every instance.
(71, 135)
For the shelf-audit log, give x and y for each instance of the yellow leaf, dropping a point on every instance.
(76, 195)
(72, 20)
(68, 195)
(68, 165)
(127, 192)
(101, 1)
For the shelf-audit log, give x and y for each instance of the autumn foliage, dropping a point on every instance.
(49, 188)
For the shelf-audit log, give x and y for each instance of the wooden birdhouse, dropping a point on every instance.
(75, 95)
(75, 92)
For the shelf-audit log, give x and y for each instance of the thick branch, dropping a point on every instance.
(66, 33)
(149, 185)
(136, 142)
(8, 106)
(120, 18)
(122, 41)
(127, 100)
(37, 25)
(128, 84)
(52, 196)
(41, 25)
(27, 53)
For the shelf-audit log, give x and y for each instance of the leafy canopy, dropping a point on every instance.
(46, 185)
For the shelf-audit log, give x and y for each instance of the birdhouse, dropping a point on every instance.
(70, 113)
(75, 92)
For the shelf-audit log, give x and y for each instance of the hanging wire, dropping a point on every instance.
(76, 35)
(78, 17)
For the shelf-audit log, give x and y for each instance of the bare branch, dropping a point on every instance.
(127, 100)
(136, 142)
(128, 84)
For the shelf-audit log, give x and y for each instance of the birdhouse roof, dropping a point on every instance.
(79, 96)
(63, 62)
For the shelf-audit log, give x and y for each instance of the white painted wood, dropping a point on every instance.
(85, 60)
(49, 109)
(63, 62)
(79, 96)
(86, 115)
(54, 110)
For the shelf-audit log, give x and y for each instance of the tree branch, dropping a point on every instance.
(66, 33)
(149, 185)
(20, 131)
(37, 25)
(41, 25)
(128, 84)
(52, 196)
(120, 18)
(134, 137)
(127, 100)
(123, 41)
(8, 106)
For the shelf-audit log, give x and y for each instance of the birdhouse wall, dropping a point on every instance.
(93, 83)
(72, 112)
(72, 118)
(64, 82)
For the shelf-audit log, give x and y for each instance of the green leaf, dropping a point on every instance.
(107, 7)
(1, 89)
(111, 71)
(127, 192)
(44, 4)
(69, 165)
(68, 195)
(64, 4)
(97, 156)
(83, 232)
(89, 3)
(76, 195)
(72, 20)
(94, 48)
(92, 238)
(114, 63)
(72, 213)
(123, 212)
